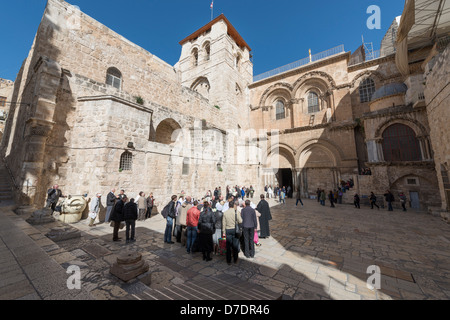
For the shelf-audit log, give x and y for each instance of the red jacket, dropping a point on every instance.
(193, 215)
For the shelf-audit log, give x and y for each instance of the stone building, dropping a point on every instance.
(6, 88)
(94, 111)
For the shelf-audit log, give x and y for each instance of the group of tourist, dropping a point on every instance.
(203, 226)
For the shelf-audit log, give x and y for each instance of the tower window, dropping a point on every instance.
(195, 57)
(207, 51)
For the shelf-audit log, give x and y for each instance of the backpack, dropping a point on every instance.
(165, 211)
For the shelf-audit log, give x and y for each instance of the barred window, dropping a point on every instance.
(400, 144)
(313, 103)
(114, 78)
(366, 90)
(126, 161)
(280, 110)
(2, 101)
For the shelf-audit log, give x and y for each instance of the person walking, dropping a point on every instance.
(230, 219)
(402, 200)
(356, 201)
(130, 215)
(117, 217)
(373, 201)
(299, 198)
(249, 224)
(192, 217)
(206, 229)
(283, 196)
(389, 197)
(340, 194)
(264, 209)
(94, 208)
(150, 204)
(331, 198)
(171, 214)
(111, 199)
(141, 206)
(322, 197)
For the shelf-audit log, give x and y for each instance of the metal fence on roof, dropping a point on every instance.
(313, 58)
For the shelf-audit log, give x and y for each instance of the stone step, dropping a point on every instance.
(223, 287)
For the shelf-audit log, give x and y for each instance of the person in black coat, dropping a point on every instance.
(118, 216)
(264, 209)
(356, 201)
(130, 216)
(206, 229)
(111, 199)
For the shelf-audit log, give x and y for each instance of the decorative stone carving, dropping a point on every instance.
(129, 265)
(71, 209)
(41, 216)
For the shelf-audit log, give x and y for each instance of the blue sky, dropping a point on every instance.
(279, 32)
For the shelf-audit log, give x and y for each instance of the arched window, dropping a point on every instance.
(195, 57)
(366, 90)
(313, 102)
(280, 110)
(400, 144)
(207, 47)
(114, 77)
(126, 161)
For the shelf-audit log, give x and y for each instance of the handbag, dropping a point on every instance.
(238, 226)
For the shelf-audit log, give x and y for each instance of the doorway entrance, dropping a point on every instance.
(285, 179)
(414, 197)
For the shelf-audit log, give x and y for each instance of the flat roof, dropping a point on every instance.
(231, 31)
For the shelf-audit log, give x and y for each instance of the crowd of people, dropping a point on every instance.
(211, 226)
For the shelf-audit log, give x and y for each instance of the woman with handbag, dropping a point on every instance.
(206, 229)
(230, 224)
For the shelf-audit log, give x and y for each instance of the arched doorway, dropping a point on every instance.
(280, 170)
(318, 169)
(167, 132)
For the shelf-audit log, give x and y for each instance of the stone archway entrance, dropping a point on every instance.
(318, 169)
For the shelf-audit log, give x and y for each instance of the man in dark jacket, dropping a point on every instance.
(53, 196)
(117, 216)
(249, 224)
(130, 216)
(170, 216)
(389, 197)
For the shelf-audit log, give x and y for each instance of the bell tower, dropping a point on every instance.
(215, 62)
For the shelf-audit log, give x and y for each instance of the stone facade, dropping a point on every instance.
(6, 89)
(437, 96)
(97, 112)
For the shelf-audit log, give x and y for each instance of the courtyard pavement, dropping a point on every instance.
(314, 252)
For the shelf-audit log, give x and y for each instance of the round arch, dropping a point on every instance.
(167, 131)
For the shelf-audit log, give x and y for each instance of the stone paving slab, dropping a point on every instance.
(314, 252)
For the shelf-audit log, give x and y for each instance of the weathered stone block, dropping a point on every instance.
(129, 265)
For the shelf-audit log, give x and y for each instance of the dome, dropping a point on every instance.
(389, 90)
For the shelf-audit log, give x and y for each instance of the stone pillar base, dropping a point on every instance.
(129, 265)
(41, 216)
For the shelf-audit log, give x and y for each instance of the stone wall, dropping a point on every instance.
(437, 96)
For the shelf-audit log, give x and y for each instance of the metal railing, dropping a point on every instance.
(313, 58)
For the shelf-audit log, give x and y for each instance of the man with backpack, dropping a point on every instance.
(169, 213)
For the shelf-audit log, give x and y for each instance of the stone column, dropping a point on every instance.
(39, 127)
